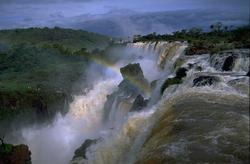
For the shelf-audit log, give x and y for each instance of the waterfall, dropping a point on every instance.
(135, 137)
(163, 50)
(189, 94)
(55, 143)
(122, 139)
(210, 94)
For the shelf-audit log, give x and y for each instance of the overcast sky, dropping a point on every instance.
(73, 7)
(26, 13)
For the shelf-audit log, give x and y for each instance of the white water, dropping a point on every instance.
(56, 143)
(122, 144)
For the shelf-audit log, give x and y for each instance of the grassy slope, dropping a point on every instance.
(40, 67)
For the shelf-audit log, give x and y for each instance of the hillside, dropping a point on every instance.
(72, 39)
(40, 69)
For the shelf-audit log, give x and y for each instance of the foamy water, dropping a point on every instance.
(121, 143)
(56, 143)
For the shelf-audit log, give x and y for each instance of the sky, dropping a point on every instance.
(111, 16)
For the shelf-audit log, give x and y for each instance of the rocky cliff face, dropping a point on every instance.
(134, 74)
(130, 94)
(10, 154)
(80, 153)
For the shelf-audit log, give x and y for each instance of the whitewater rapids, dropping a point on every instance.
(55, 143)
(207, 121)
(204, 119)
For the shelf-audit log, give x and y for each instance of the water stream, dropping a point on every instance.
(126, 139)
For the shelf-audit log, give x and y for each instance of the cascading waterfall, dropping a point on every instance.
(214, 88)
(83, 121)
(124, 135)
(120, 143)
(164, 50)
(134, 137)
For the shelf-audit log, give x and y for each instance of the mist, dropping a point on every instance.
(56, 142)
(122, 18)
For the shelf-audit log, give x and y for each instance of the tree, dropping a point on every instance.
(225, 28)
(136, 38)
(2, 142)
(216, 27)
(212, 27)
(195, 31)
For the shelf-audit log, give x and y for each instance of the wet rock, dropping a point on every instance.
(204, 81)
(232, 60)
(198, 68)
(228, 64)
(190, 65)
(170, 81)
(181, 72)
(82, 150)
(248, 74)
(153, 84)
(139, 103)
(178, 63)
(129, 88)
(125, 94)
(121, 101)
(134, 74)
(10, 154)
(132, 71)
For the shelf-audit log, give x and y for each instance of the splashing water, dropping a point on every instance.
(124, 143)
(56, 143)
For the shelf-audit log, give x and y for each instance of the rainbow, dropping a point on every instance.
(115, 68)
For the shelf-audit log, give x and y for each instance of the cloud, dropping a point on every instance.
(122, 18)
(144, 5)
(39, 1)
(160, 22)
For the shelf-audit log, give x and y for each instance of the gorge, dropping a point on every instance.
(154, 104)
(124, 82)
(201, 119)
(71, 96)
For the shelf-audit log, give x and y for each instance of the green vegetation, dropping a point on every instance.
(66, 38)
(41, 68)
(14, 153)
(29, 73)
(219, 38)
(5, 148)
